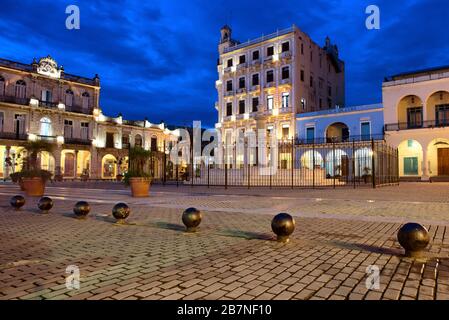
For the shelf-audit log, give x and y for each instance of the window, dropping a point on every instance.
(109, 140)
(270, 51)
(320, 83)
(410, 166)
(414, 117)
(1, 121)
(311, 81)
(329, 91)
(285, 73)
(302, 48)
(329, 103)
(85, 98)
(46, 96)
(321, 103)
(365, 130)
(19, 124)
(241, 83)
(270, 102)
(153, 143)
(230, 63)
(303, 104)
(229, 109)
(285, 97)
(242, 59)
(69, 98)
(241, 106)
(45, 127)
(68, 129)
(20, 91)
(125, 141)
(138, 141)
(85, 130)
(255, 79)
(229, 85)
(285, 46)
(302, 75)
(442, 114)
(2, 86)
(269, 130)
(285, 131)
(310, 134)
(256, 55)
(255, 104)
(270, 76)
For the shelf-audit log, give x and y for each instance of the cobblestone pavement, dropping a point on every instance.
(233, 256)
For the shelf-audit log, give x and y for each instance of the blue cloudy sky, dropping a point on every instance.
(158, 58)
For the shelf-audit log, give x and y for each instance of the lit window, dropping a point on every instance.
(285, 98)
(270, 102)
(45, 127)
(303, 104)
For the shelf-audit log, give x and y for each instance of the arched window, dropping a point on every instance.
(138, 141)
(45, 127)
(69, 98)
(85, 98)
(2, 86)
(21, 89)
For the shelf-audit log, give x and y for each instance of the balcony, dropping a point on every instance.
(341, 139)
(227, 70)
(48, 104)
(255, 62)
(429, 124)
(241, 90)
(51, 139)
(13, 136)
(16, 100)
(78, 141)
(286, 55)
(270, 84)
(255, 88)
(78, 109)
(229, 93)
(286, 81)
(242, 66)
(286, 110)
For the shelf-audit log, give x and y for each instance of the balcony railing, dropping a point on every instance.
(47, 104)
(51, 139)
(78, 109)
(79, 141)
(16, 100)
(424, 124)
(13, 136)
(301, 140)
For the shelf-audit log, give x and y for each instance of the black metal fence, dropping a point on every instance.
(292, 164)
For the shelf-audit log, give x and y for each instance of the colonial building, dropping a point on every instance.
(347, 124)
(263, 83)
(416, 112)
(41, 101)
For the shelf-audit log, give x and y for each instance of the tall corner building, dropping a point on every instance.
(263, 83)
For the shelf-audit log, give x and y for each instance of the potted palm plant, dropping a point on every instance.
(32, 176)
(137, 176)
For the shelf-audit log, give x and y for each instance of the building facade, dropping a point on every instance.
(41, 101)
(416, 112)
(263, 83)
(341, 124)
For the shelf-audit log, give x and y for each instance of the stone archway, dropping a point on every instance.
(438, 157)
(410, 158)
(337, 132)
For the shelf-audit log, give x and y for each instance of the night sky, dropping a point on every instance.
(157, 59)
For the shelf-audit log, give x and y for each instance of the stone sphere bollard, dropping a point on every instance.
(120, 212)
(414, 238)
(45, 204)
(81, 209)
(283, 226)
(191, 218)
(17, 202)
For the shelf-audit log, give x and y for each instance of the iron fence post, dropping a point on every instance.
(353, 162)
(373, 163)
(333, 161)
(313, 165)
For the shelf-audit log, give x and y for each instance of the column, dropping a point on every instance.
(57, 156)
(75, 165)
(7, 156)
(425, 166)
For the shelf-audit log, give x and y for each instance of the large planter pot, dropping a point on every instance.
(34, 187)
(140, 187)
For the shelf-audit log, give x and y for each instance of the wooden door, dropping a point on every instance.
(69, 165)
(443, 162)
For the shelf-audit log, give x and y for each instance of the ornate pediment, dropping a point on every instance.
(49, 67)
